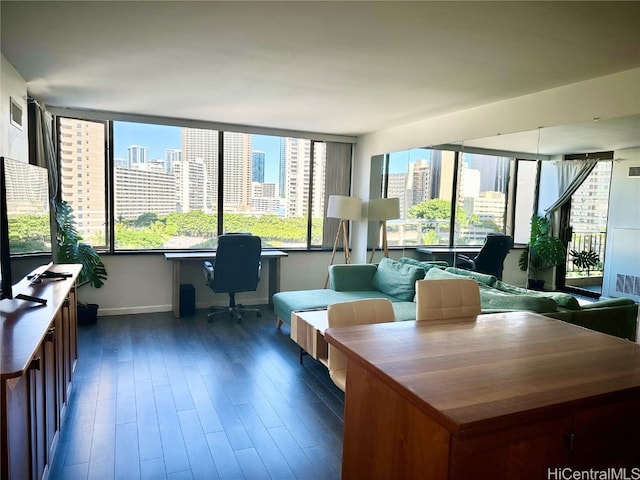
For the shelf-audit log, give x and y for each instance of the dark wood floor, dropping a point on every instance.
(158, 397)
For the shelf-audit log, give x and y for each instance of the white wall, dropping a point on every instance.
(143, 282)
(13, 140)
(622, 250)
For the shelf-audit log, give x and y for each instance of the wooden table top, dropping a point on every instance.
(23, 324)
(477, 375)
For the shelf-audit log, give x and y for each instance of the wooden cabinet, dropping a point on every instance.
(39, 354)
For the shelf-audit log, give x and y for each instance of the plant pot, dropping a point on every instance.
(87, 313)
(535, 285)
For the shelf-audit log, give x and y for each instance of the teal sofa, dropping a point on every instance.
(395, 280)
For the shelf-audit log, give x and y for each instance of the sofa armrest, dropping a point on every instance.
(611, 302)
(352, 277)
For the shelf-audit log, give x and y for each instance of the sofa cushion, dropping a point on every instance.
(352, 277)
(426, 266)
(477, 276)
(286, 302)
(397, 279)
(494, 300)
(563, 300)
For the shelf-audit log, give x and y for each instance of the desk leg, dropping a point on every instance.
(274, 278)
(175, 301)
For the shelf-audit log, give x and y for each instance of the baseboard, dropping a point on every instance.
(134, 310)
(168, 308)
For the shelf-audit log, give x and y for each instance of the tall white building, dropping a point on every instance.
(419, 181)
(171, 155)
(203, 144)
(137, 155)
(140, 191)
(191, 185)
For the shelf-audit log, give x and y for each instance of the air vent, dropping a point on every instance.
(634, 172)
(628, 284)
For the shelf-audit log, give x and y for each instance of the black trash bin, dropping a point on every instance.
(187, 300)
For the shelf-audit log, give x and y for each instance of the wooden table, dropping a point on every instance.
(307, 330)
(272, 256)
(506, 396)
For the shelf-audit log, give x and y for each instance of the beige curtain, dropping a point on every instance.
(337, 182)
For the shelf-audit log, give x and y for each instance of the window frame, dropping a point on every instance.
(109, 155)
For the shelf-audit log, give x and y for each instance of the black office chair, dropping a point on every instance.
(491, 257)
(236, 268)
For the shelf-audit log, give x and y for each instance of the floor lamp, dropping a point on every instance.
(381, 210)
(344, 208)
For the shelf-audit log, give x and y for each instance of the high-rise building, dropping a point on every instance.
(203, 144)
(82, 176)
(494, 171)
(397, 188)
(297, 154)
(191, 185)
(137, 155)
(419, 181)
(171, 155)
(282, 172)
(258, 166)
(140, 191)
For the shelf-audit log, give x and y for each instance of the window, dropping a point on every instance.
(167, 191)
(441, 190)
(421, 178)
(481, 201)
(93, 231)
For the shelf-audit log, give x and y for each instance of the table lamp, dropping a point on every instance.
(381, 210)
(345, 208)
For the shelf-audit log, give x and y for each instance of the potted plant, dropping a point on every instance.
(542, 252)
(71, 249)
(585, 260)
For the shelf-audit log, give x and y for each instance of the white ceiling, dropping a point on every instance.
(341, 67)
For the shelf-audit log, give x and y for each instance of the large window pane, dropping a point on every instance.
(167, 191)
(525, 196)
(83, 176)
(482, 197)
(422, 179)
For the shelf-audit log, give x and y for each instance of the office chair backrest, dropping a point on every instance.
(441, 299)
(237, 263)
(490, 259)
(355, 312)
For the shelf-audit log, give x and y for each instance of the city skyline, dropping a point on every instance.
(158, 138)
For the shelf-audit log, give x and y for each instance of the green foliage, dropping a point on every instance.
(29, 233)
(543, 251)
(439, 209)
(585, 260)
(150, 231)
(71, 249)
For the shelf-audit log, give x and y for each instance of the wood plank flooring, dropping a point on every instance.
(158, 397)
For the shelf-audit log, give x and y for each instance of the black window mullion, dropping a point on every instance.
(110, 190)
(220, 182)
(310, 197)
(454, 199)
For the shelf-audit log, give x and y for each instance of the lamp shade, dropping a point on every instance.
(344, 208)
(384, 208)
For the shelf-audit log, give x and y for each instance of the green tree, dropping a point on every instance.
(439, 209)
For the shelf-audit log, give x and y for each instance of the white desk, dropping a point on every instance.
(272, 256)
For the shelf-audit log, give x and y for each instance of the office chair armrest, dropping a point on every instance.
(462, 261)
(208, 271)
